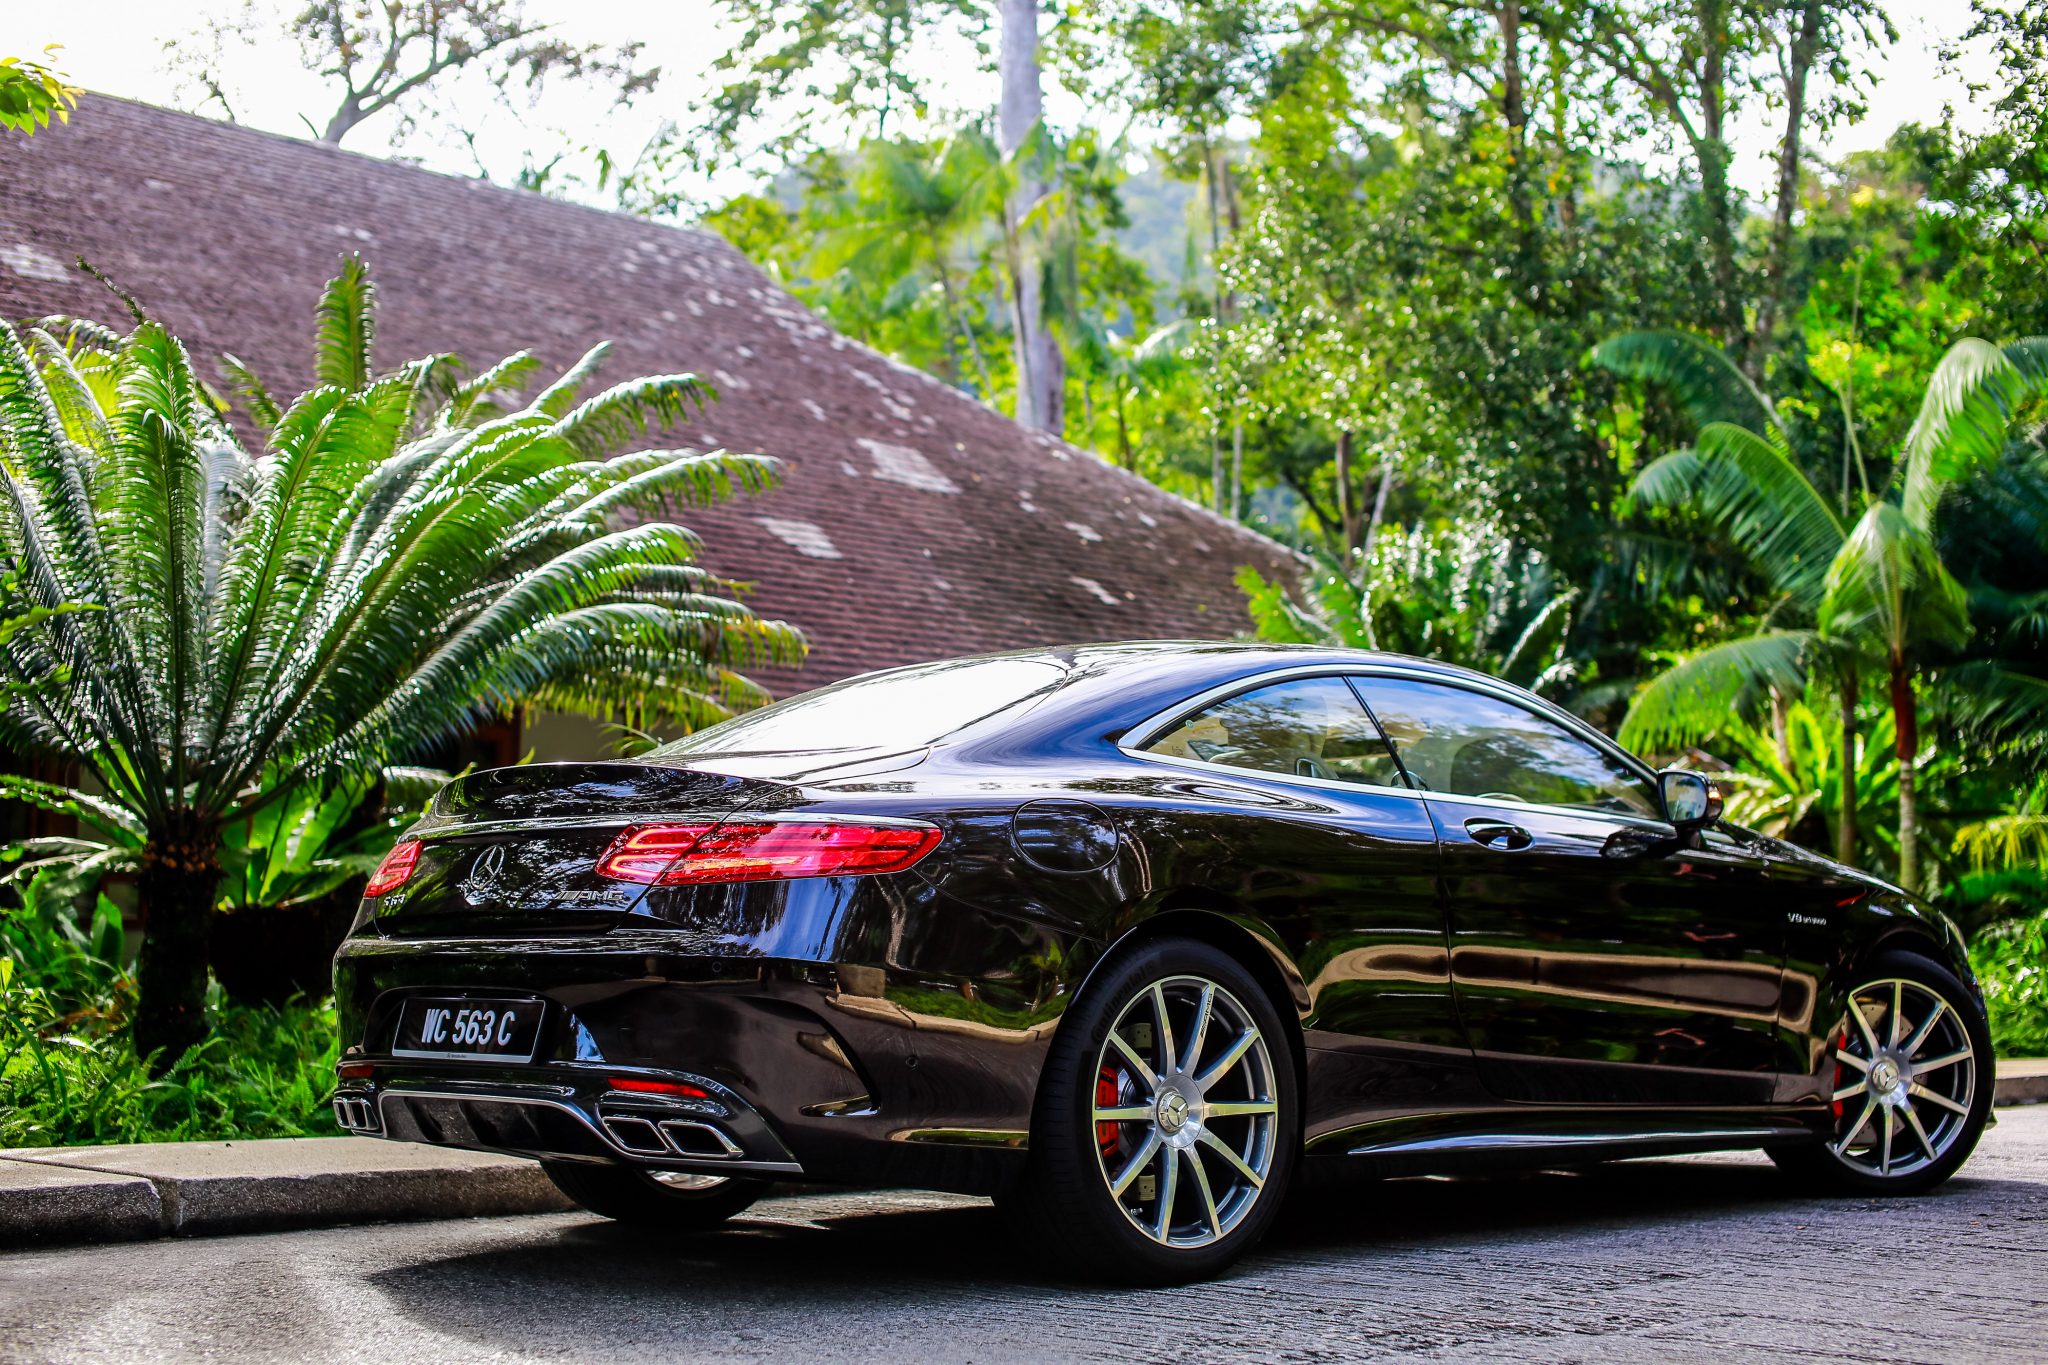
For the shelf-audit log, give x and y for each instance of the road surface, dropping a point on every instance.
(1707, 1259)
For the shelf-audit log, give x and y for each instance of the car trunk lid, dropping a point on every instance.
(512, 851)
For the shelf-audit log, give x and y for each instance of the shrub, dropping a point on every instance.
(2012, 965)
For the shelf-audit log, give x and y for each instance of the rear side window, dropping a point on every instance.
(905, 708)
(1465, 743)
(1310, 727)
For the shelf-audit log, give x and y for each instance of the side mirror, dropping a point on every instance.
(1690, 800)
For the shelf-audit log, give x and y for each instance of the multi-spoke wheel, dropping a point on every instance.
(1166, 1126)
(1909, 1086)
(670, 1201)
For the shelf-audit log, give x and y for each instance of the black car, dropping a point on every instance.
(1119, 934)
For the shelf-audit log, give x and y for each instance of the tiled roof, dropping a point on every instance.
(912, 522)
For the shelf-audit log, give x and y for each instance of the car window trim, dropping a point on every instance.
(1564, 720)
(1159, 724)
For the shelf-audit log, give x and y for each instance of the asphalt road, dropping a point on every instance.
(1700, 1259)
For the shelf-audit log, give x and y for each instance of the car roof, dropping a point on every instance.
(1113, 683)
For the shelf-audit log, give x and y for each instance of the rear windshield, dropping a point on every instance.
(905, 708)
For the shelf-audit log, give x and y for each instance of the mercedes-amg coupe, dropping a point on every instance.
(1121, 935)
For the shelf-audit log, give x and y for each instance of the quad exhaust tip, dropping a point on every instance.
(665, 1137)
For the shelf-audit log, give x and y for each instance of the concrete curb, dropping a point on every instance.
(103, 1194)
(2021, 1080)
(57, 1195)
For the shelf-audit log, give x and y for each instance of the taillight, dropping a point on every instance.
(396, 868)
(642, 853)
(693, 855)
(634, 1085)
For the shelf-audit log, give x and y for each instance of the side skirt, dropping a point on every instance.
(1452, 1144)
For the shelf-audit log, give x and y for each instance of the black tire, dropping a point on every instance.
(1818, 1167)
(638, 1198)
(1065, 1203)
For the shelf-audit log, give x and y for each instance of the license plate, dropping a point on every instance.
(483, 1030)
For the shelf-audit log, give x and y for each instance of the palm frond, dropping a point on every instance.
(1699, 374)
(347, 329)
(1889, 588)
(1750, 488)
(1701, 695)
(2016, 840)
(262, 408)
(1966, 416)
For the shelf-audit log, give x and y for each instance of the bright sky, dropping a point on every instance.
(118, 46)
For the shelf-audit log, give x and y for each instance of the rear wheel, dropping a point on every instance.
(1910, 1067)
(672, 1201)
(1166, 1130)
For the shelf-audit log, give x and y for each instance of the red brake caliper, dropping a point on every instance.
(1107, 1096)
(1841, 1043)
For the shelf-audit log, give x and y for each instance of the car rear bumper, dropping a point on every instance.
(571, 1114)
(808, 1070)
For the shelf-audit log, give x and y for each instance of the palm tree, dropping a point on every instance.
(1872, 589)
(410, 553)
(913, 206)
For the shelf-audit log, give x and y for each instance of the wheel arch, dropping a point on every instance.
(1247, 939)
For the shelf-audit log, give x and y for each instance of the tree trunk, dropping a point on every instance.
(959, 320)
(1515, 113)
(1379, 512)
(1040, 382)
(1906, 719)
(1237, 469)
(1845, 827)
(1347, 513)
(179, 878)
(1123, 429)
(1216, 468)
(1805, 45)
(1714, 155)
(1781, 742)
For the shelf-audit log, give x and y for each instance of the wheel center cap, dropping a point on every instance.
(1884, 1074)
(1173, 1111)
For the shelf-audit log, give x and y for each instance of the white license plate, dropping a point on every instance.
(479, 1030)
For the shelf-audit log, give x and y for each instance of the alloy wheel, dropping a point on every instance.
(1905, 1078)
(1185, 1111)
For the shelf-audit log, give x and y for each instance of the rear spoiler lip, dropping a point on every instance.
(484, 828)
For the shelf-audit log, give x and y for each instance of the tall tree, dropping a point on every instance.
(390, 56)
(1022, 138)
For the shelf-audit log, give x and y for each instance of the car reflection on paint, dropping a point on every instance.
(1123, 934)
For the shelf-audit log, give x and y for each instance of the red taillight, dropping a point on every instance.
(693, 855)
(642, 853)
(635, 1085)
(396, 868)
(355, 1071)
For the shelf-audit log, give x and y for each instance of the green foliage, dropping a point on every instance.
(2011, 960)
(33, 93)
(1799, 796)
(413, 552)
(68, 1073)
(69, 1076)
(1463, 595)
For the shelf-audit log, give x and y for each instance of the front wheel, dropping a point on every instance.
(1910, 1070)
(665, 1201)
(1166, 1130)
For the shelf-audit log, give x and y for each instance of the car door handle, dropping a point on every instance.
(1499, 834)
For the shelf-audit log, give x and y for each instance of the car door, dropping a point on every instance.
(1594, 959)
(1283, 796)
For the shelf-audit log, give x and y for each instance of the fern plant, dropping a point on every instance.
(410, 552)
